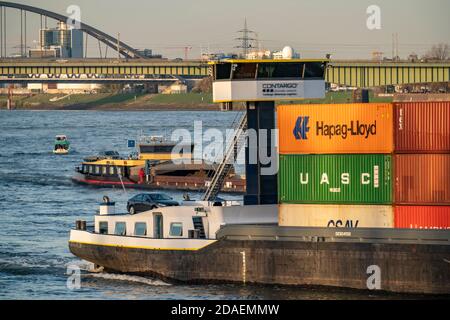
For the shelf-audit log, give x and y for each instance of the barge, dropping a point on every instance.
(153, 168)
(198, 243)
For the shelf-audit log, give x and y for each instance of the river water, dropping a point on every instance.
(39, 205)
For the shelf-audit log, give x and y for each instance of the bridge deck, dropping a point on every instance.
(353, 74)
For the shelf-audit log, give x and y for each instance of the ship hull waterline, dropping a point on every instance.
(128, 184)
(404, 268)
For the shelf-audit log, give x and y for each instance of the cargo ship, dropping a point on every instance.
(332, 216)
(352, 210)
(154, 167)
(199, 243)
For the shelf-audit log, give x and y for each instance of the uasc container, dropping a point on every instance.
(422, 127)
(422, 217)
(336, 216)
(422, 179)
(335, 179)
(336, 128)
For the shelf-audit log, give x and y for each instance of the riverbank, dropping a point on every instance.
(143, 102)
(112, 101)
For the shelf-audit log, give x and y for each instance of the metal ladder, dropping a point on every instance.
(224, 168)
(198, 225)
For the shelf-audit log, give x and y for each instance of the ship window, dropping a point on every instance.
(280, 70)
(315, 70)
(119, 171)
(103, 227)
(140, 229)
(244, 71)
(91, 169)
(104, 170)
(97, 170)
(111, 171)
(121, 229)
(223, 71)
(176, 229)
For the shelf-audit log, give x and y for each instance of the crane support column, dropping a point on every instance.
(261, 188)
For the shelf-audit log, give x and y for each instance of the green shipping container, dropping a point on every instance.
(335, 179)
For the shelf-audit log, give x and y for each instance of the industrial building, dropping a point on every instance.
(60, 42)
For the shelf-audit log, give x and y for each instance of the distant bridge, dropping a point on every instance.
(85, 80)
(101, 67)
(352, 74)
(376, 74)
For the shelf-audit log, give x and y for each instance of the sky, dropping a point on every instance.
(313, 27)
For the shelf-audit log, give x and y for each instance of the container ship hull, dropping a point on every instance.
(404, 268)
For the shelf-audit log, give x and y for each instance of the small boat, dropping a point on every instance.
(62, 145)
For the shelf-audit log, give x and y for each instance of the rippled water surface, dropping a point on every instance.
(39, 204)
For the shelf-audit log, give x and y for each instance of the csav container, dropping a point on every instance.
(335, 179)
(336, 128)
(336, 216)
(422, 127)
(424, 217)
(422, 179)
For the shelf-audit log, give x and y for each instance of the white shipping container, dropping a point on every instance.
(336, 216)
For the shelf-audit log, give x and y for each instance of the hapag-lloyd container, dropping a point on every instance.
(335, 179)
(422, 217)
(336, 128)
(422, 179)
(336, 216)
(422, 127)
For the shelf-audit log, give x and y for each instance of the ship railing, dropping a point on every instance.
(360, 235)
(230, 185)
(220, 175)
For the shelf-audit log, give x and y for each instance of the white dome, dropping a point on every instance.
(288, 52)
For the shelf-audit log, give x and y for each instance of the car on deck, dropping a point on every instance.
(149, 201)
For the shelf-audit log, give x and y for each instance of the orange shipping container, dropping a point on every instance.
(422, 127)
(422, 179)
(336, 128)
(425, 217)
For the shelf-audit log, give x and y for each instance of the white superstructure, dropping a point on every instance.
(269, 80)
(188, 227)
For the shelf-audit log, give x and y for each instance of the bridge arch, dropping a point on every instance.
(112, 42)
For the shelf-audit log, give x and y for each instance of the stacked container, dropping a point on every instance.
(365, 165)
(422, 165)
(336, 165)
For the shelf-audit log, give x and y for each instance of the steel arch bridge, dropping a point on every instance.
(112, 42)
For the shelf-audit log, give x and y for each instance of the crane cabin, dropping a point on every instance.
(268, 80)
